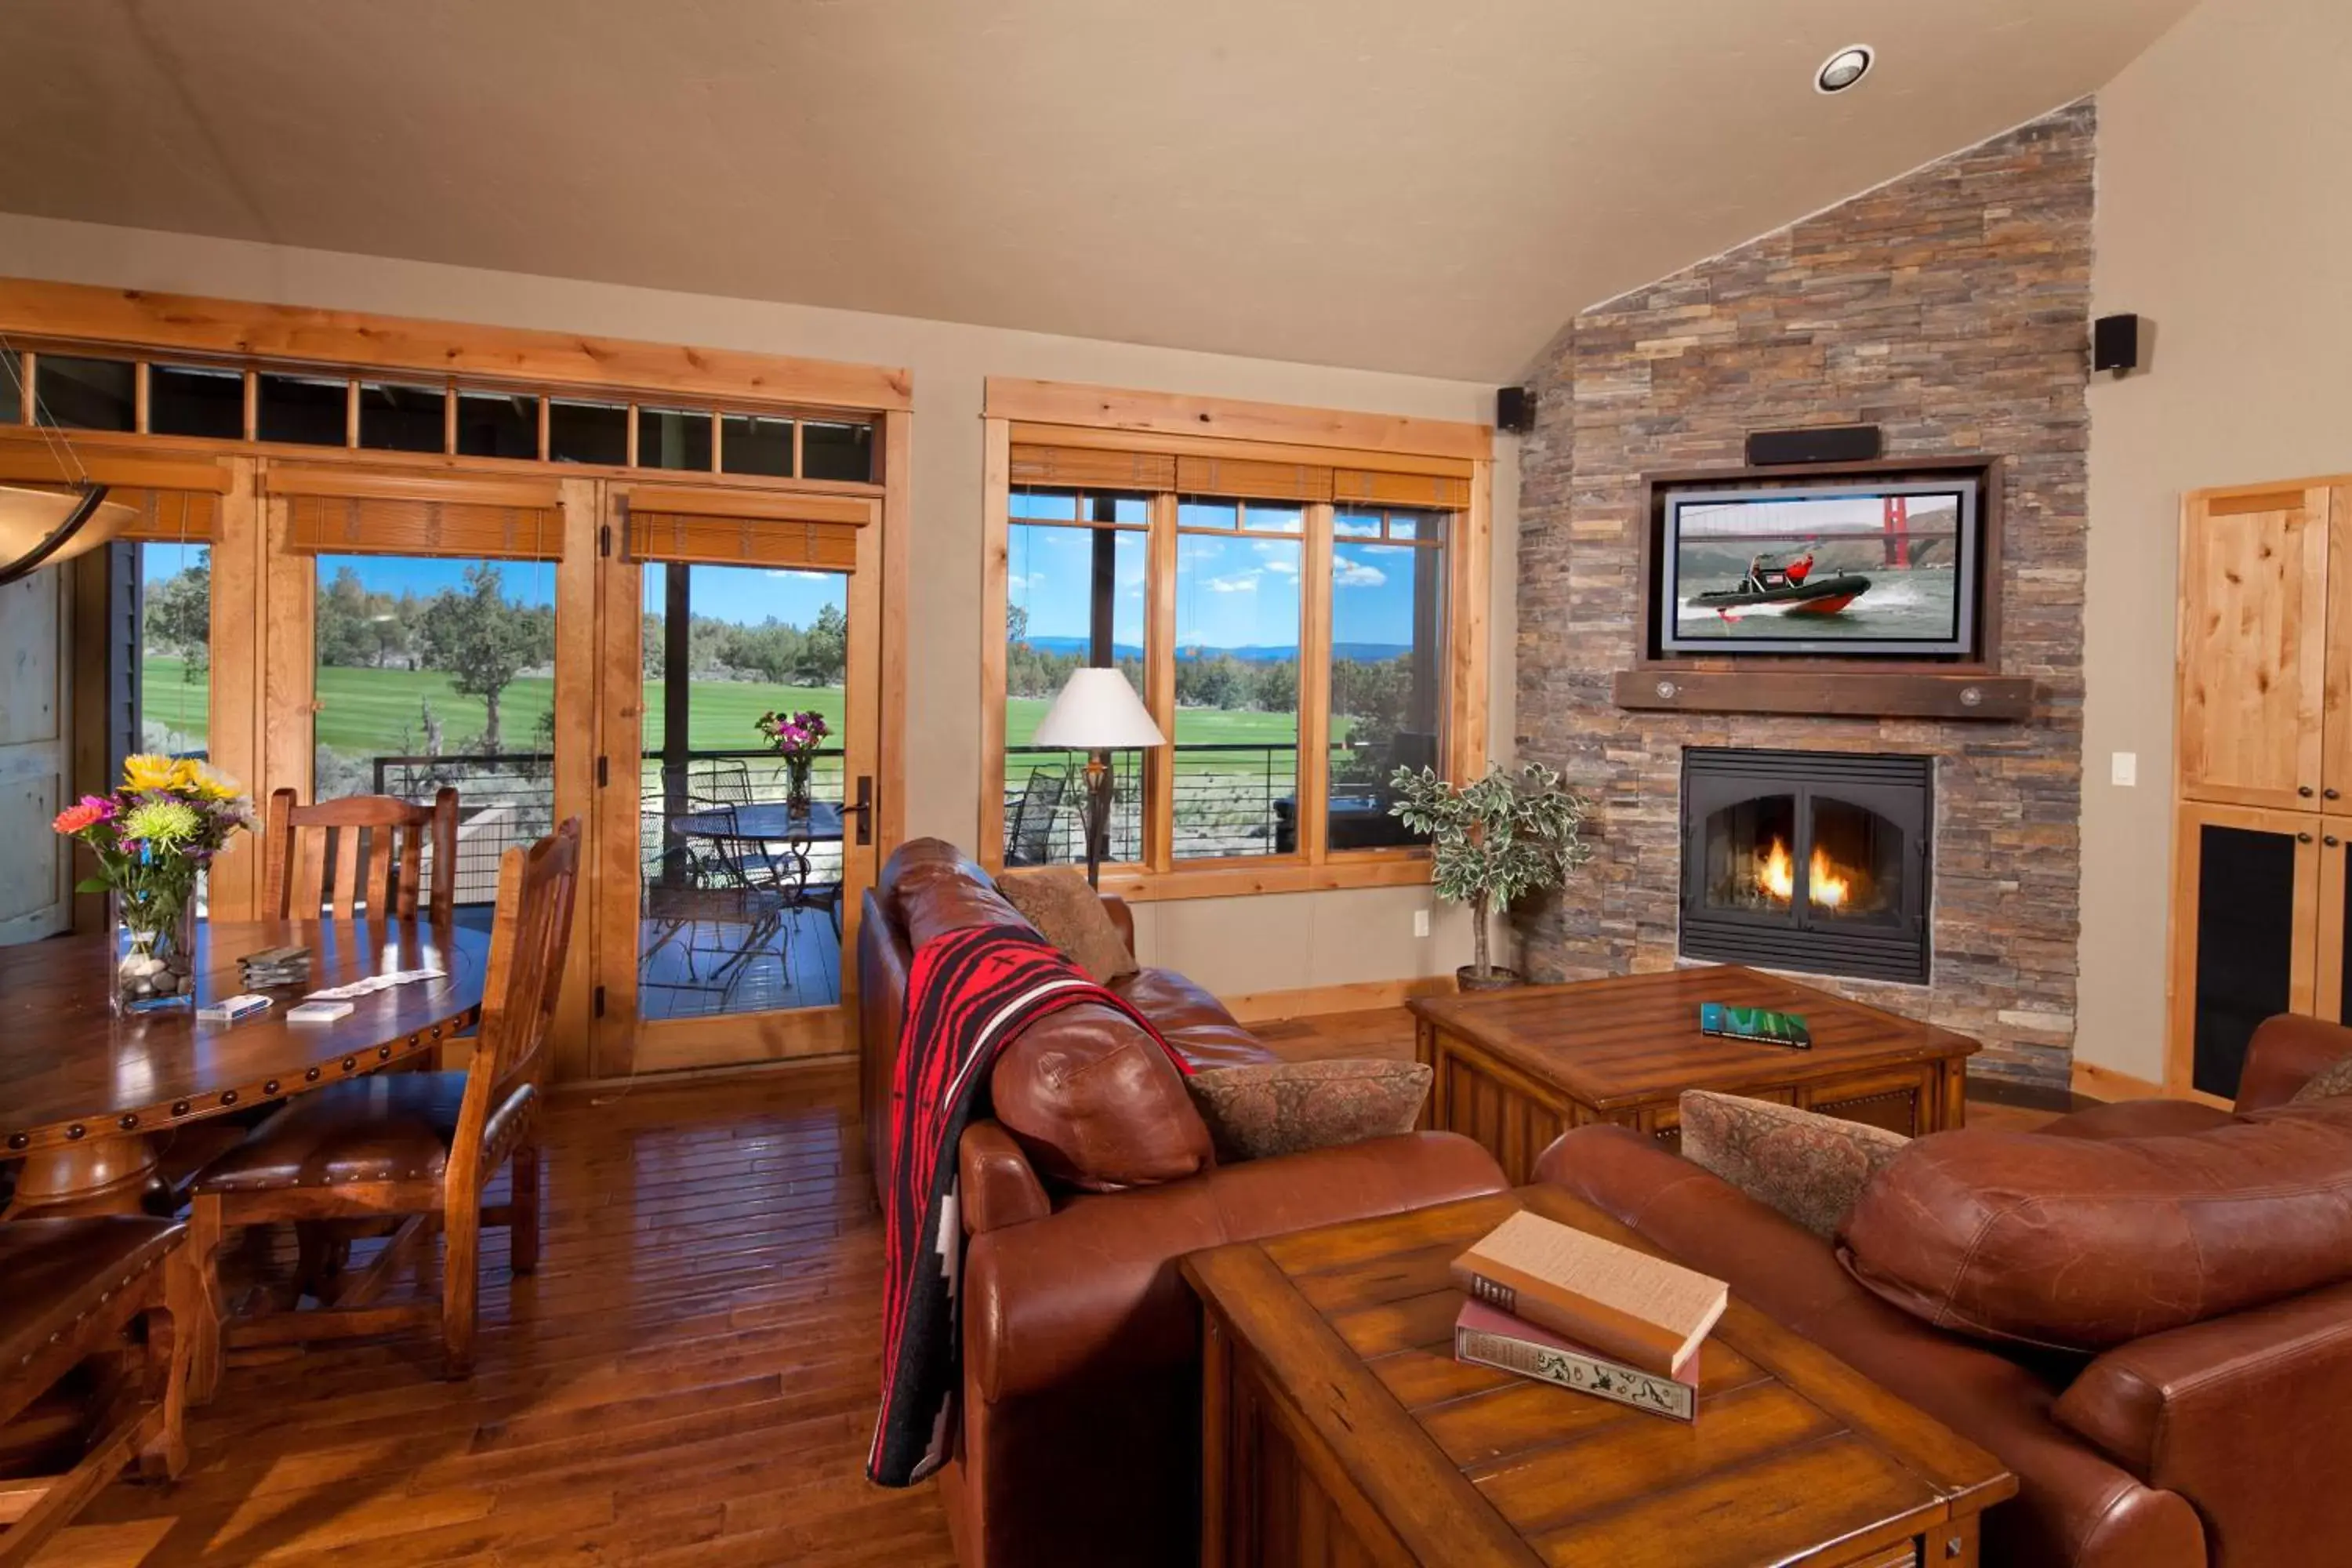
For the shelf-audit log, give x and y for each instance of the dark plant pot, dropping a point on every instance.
(1497, 978)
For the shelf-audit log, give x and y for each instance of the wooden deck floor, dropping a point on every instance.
(689, 1379)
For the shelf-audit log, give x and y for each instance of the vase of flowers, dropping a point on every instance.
(154, 837)
(796, 738)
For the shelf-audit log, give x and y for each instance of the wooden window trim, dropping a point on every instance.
(1039, 414)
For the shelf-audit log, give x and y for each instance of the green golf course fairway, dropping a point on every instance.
(371, 712)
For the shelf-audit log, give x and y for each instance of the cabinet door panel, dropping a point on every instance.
(2335, 764)
(2247, 919)
(2252, 649)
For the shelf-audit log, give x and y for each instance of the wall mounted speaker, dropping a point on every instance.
(1828, 444)
(1515, 409)
(2114, 343)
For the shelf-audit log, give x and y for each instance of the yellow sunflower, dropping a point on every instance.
(148, 772)
(208, 785)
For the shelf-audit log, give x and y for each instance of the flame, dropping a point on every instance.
(1828, 888)
(1776, 873)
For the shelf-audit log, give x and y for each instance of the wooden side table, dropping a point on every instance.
(1337, 1429)
(1514, 1069)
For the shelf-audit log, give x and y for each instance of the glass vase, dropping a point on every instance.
(154, 956)
(797, 784)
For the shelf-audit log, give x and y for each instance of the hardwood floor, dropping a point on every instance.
(690, 1378)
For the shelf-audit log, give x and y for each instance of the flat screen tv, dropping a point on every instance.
(1884, 570)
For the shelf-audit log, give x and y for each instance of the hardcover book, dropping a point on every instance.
(1487, 1336)
(1761, 1025)
(1625, 1305)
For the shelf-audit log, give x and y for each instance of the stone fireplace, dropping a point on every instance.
(1950, 308)
(1814, 862)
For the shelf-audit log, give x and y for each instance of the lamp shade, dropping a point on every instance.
(1097, 711)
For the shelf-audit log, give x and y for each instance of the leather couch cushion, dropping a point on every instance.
(2081, 1243)
(1191, 1020)
(1096, 1104)
(935, 888)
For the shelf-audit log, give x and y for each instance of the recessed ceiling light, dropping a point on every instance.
(1844, 69)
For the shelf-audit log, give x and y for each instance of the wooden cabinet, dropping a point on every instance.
(2263, 780)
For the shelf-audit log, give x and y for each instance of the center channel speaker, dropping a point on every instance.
(1825, 444)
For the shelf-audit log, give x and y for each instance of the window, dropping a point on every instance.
(1236, 740)
(749, 444)
(1073, 597)
(674, 438)
(306, 410)
(175, 627)
(196, 400)
(394, 418)
(1292, 626)
(12, 389)
(587, 432)
(434, 670)
(497, 425)
(78, 394)
(1388, 666)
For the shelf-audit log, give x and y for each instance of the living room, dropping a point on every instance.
(1797, 509)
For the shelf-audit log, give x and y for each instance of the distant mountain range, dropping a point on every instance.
(1253, 653)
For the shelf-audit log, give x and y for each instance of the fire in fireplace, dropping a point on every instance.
(1809, 860)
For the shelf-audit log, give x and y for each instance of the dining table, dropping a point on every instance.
(91, 1099)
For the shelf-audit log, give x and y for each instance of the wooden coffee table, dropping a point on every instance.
(1338, 1428)
(1516, 1068)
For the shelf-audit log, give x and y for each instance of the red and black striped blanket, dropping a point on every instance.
(968, 993)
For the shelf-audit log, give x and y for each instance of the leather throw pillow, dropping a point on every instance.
(1809, 1167)
(1288, 1108)
(1070, 914)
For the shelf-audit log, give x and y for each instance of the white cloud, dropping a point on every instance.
(1239, 582)
(1348, 573)
(1288, 568)
(792, 577)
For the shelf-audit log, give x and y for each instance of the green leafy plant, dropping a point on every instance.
(1494, 840)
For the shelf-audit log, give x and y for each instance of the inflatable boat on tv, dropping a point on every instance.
(1814, 596)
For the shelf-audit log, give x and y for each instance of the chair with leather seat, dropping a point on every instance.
(360, 856)
(419, 1145)
(77, 1288)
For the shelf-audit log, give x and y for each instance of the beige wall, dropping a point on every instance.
(2225, 215)
(1232, 945)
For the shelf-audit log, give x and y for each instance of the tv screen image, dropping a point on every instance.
(1847, 569)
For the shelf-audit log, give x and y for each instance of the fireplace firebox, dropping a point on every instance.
(1816, 861)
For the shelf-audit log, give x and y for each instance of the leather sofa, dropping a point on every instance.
(1080, 1439)
(2218, 1441)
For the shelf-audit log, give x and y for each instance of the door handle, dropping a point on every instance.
(2303, 838)
(2332, 794)
(2304, 790)
(2329, 841)
(863, 809)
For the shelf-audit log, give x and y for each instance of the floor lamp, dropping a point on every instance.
(1097, 712)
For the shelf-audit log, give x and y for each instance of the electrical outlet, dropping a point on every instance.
(2124, 769)
(1421, 922)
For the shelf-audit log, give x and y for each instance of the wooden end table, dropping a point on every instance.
(1338, 1428)
(1516, 1068)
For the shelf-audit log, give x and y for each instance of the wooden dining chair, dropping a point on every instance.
(362, 855)
(115, 1288)
(422, 1146)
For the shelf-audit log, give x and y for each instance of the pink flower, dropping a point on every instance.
(85, 814)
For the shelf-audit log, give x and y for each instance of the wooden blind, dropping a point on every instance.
(1087, 468)
(1365, 487)
(323, 525)
(170, 517)
(1252, 479)
(705, 539)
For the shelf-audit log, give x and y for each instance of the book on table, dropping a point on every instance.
(1486, 1336)
(1623, 1305)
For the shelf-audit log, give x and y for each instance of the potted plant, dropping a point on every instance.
(797, 737)
(1491, 841)
(154, 837)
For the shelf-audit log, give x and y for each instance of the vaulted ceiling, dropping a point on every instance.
(1420, 185)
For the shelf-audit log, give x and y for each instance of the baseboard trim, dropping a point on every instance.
(1309, 1000)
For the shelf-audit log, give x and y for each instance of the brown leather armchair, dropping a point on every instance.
(1080, 1420)
(2213, 1443)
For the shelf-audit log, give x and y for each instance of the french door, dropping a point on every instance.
(728, 898)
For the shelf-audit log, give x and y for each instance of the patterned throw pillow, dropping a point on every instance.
(2329, 1081)
(1070, 914)
(1809, 1166)
(1288, 1108)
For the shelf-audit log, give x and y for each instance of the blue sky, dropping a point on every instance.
(1231, 592)
(745, 594)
